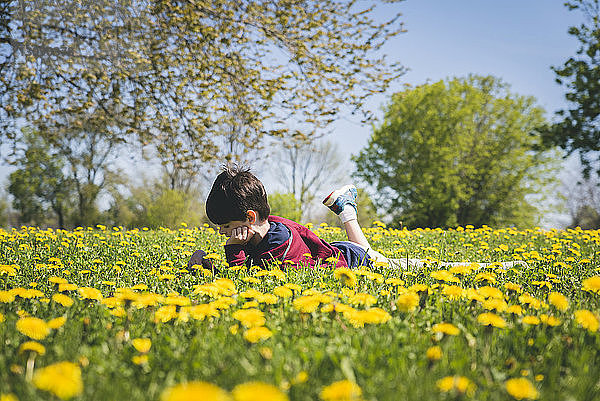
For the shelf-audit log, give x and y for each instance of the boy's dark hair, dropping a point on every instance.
(235, 191)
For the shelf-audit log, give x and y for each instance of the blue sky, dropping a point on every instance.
(515, 40)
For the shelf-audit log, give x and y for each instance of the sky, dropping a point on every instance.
(515, 40)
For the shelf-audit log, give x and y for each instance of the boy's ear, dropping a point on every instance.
(252, 216)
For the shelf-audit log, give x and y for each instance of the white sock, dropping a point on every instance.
(349, 213)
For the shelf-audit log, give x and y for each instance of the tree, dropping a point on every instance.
(305, 170)
(457, 152)
(582, 196)
(155, 204)
(172, 73)
(4, 210)
(39, 186)
(579, 127)
(286, 205)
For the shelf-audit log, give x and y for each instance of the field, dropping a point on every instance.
(109, 314)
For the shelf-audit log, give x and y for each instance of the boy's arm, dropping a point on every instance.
(235, 254)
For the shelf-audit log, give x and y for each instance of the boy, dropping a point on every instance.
(238, 204)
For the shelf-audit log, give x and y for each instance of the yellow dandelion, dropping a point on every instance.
(558, 300)
(550, 320)
(513, 287)
(282, 292)
(452, 292)
(307, 303)
(57, 280)
(8, 397)
(362, 299)
(257, 391)
(250, 317)
(434, 353)
(591, 284)
(446, 328)
(62, 300)
(343, 390)
(33, 327)
(587, 320)
(165, 313)
(407, 302)
(6, 296)
(90, 293)
(33, 346)
(141, 344)
(67, 287)
(195, 391)
(490, 292)
(515, 310)
(140, 359)
(346, 276)
(521, 388)
(256, 334)
(532, 320)
(269, 299)
(460, 384)
(394, 281)
(62, 379)
(491, 319)
(445, 276)
(57, 322)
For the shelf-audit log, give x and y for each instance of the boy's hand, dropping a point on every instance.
(240, 235)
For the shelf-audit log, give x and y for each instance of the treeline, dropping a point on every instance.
(120, 113)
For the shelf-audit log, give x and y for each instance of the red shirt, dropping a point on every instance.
(293, 247)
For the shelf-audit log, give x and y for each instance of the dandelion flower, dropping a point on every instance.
(587, 320)
(257, 391)
(591, 284)
(446, 328)
(250, 317)
(140, 359)
(195, 391)
(434, 353)
(141, 344)
(33, 327)
(460, 384)
(559, 301)
(283, 292)
(32, 346)
(532, 320)
(343, 390)
(62, 300)
(491, 319)
(307, 303)
(490, 292)
(8, 397)
(62, 379)
(521, 388)
(550, 320)
(362, 299)
(57, 322)
(6, 296)
(256, 334)
(453, 292)
(444, 275)
(346, 276)
(407, 302)
(90, 293)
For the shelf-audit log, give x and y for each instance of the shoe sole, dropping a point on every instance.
(331, 198)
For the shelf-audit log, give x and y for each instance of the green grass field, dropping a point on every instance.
(109, 314)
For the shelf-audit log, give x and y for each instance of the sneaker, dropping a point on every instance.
(339, 198)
